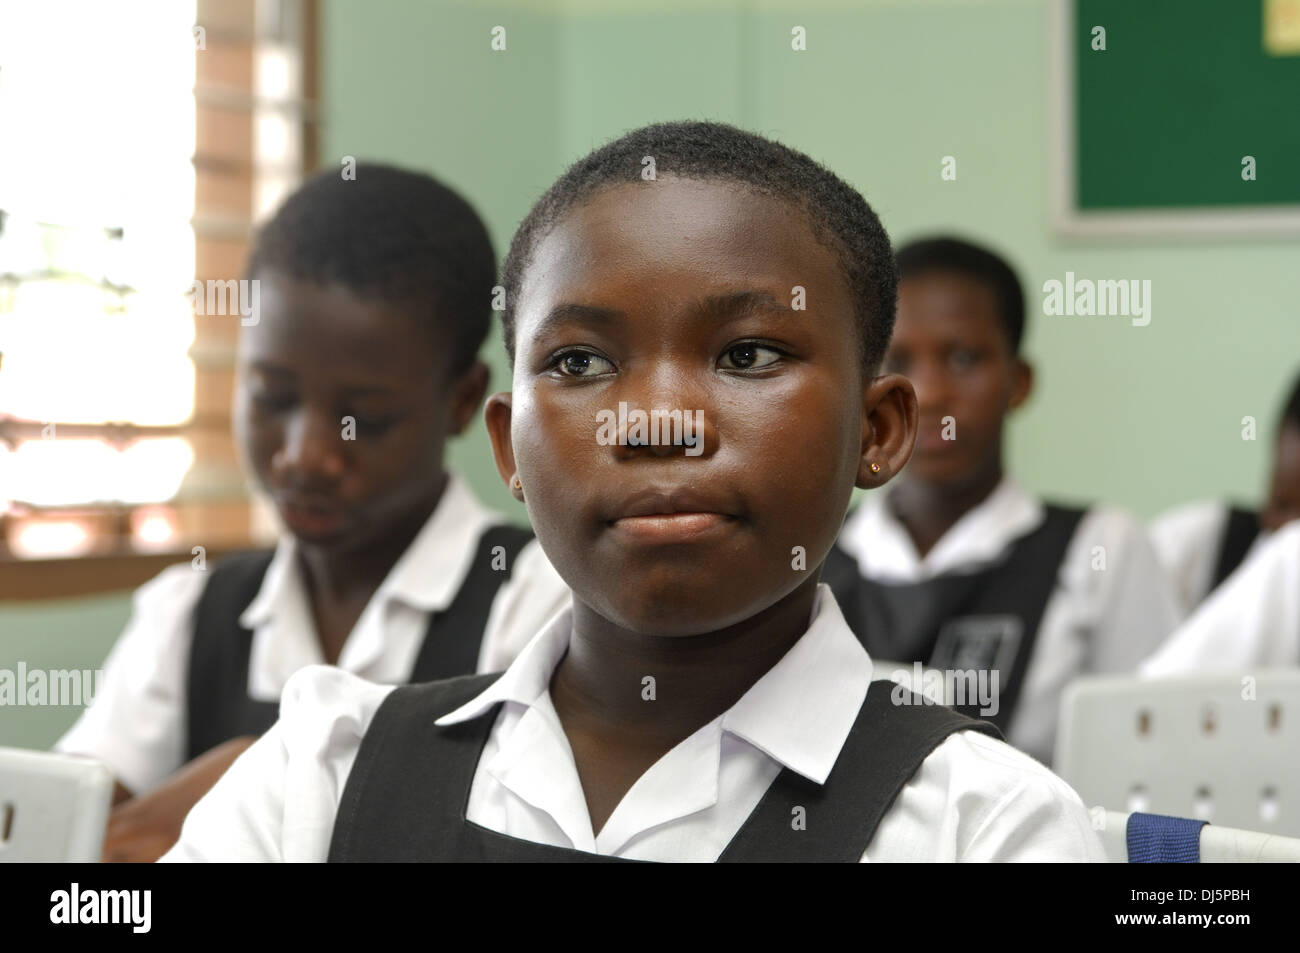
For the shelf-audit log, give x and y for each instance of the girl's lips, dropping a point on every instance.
(672, 527)
(312, 521)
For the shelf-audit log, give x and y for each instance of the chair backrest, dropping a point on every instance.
(1221, 748)
(1217, 845)
(53, 807)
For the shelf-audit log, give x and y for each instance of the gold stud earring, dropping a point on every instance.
(518, 484)
(875, 468)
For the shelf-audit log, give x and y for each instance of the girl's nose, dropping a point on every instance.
(312, 451)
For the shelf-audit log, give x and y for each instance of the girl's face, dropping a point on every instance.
(681, 295)
(1283, 502)
(950, 343)
(321, 355)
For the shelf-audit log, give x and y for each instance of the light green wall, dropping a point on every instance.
(414, 82)
(67, 634)
(1143, 417)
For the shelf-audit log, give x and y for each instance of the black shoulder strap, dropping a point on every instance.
(406, 796)
(452, 640)
(1238, 536)
(962, 621)
(217, 704)
(1022, 586)
(801, 821)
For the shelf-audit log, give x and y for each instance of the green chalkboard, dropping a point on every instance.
(1183, 91)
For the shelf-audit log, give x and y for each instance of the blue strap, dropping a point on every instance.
(1158, 839)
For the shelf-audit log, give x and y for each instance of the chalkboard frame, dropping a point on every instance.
(1070, 221)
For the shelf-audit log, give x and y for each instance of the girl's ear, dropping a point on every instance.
(466, 395)
(497, 414)
(1022, 382)
(889, 421)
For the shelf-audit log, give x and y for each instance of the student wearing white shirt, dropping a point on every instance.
(702, 698)
(686, 807)
(956, 566)
(1201, 544)
(360, 364)
(1252, 620)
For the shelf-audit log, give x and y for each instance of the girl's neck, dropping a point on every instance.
(927, 511)
(340, 584)
(652, 692)
(347, 574)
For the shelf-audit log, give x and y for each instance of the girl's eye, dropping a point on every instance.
(749, 357)
(963, 359)
(374, 425)
(272, 403)
(582, 364)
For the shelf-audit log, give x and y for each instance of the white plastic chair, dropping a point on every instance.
(1222, 748)
(53, 807)
(1219, 845)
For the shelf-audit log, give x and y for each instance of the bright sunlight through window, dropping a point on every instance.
(96, 249)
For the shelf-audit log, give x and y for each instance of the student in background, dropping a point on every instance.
(1252, 620)
(362, 363)
(957, 566)
(702, 699)
(1201, 544)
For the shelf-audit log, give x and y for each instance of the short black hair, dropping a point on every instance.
(958, 256)
(838, 214)
(394, 235)
(1291, 409)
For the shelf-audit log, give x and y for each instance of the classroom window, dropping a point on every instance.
(114, 395)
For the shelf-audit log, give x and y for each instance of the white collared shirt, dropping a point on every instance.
(1096, 621)
(136, 725)
(1188, 539)
(526, 601)
(1252, 619)
(973, 799)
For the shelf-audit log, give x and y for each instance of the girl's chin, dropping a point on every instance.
(939, 465)
(313, 526)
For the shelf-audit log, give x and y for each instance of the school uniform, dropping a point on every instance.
(207, 654)
(493, 777)
(525, 602)
(1038, 592)
(1252, 620)
(1202, 544)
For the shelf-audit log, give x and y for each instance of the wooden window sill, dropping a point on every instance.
(25, 580)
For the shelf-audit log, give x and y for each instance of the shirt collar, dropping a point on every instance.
(801, 711)
(427, 576)
(884, 550)
(798, 713)
(278, 586)
(527, 678)
(431, 571)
